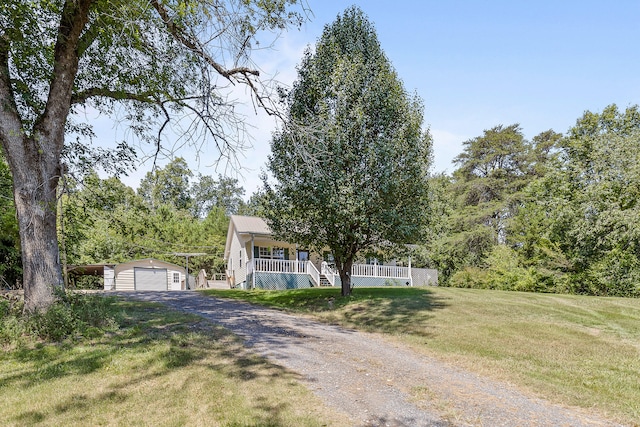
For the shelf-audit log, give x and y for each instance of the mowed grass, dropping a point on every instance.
(160, 368)
(574, 350)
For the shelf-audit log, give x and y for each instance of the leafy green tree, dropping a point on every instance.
(580, 221)
(168, 186)
(483, 198)
(105, 221)
(207, 193)
(155, 60)
(255, 206)
(493, 168)
(351, 163)
(10, 266)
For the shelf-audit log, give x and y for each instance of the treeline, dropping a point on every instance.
(558, 213)
(554, 214)
(105, 221)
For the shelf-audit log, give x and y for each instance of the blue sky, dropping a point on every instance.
(477, 64)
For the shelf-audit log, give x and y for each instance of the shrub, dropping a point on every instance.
(617, 273)
(72, 315)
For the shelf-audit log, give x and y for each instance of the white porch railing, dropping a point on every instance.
(329, 273)
(313, 272)
(387, 271)
(307, 267)
(284, 266)
(277, 266)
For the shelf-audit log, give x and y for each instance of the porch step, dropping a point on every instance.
(324, 281)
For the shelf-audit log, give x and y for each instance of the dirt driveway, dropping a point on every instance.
(374, 381)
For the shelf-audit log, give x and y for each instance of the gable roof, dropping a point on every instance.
(240, 224)
(250, 224)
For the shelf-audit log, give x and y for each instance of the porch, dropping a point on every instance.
(291, 274)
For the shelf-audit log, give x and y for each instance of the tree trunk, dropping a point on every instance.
(345, 277)
(35, 181)
(34, 156)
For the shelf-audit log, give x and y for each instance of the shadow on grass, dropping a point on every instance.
(391, 310)
(155, 343)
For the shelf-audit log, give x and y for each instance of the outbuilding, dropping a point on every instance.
(147, 275)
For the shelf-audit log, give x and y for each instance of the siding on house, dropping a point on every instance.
(245, 237)
(109, 278)
(125, 273)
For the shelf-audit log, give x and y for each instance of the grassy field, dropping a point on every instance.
(578, 351)
(159, 368)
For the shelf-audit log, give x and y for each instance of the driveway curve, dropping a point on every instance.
(375, 382)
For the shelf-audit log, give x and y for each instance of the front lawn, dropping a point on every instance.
(156, 368)
(574, 350)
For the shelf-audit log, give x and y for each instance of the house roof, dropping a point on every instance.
(250, 224)
(146, 262)
(240, 224)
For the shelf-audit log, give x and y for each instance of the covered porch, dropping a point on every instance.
(294, 274)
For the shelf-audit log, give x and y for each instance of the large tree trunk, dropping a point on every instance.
(34, 156)
(35, 180)
(344, 270)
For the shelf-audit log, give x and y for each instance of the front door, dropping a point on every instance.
(175, 282)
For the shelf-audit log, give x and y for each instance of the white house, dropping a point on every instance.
(256, 260)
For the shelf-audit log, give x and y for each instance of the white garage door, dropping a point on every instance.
(150, 279)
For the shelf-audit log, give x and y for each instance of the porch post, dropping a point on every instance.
(295, 269)
(253, 276)
(410, 277)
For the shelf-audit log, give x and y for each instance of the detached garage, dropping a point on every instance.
(148, 275)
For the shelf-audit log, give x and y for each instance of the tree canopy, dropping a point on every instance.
(557, 214)
(351, 162)
(145, 61)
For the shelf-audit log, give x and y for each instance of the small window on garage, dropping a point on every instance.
(176, 277)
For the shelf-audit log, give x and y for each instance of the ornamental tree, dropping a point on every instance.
(151, 60)
(351, 161)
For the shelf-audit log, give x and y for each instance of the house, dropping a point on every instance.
(255, 259)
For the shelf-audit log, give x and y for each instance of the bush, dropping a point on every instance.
(617, 273)
(469, 277)
(503, 272)
(73, 315)
(12, 326)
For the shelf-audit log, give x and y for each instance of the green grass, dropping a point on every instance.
(159, 368)
(574, 350)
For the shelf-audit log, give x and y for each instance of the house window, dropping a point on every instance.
(277, 253)
(264, 252)
(240, 258)
(176, 277)
(270, 253)
(328, 257)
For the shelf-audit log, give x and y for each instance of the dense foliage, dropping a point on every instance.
(72, 316)
(557, 214)
(151, 65)
(10, 260)
(104, 221)
(351, 162)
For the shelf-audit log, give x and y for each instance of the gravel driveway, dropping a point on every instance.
(374, 381)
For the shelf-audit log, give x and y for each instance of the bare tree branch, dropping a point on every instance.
(196, 47)
(82, 97)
